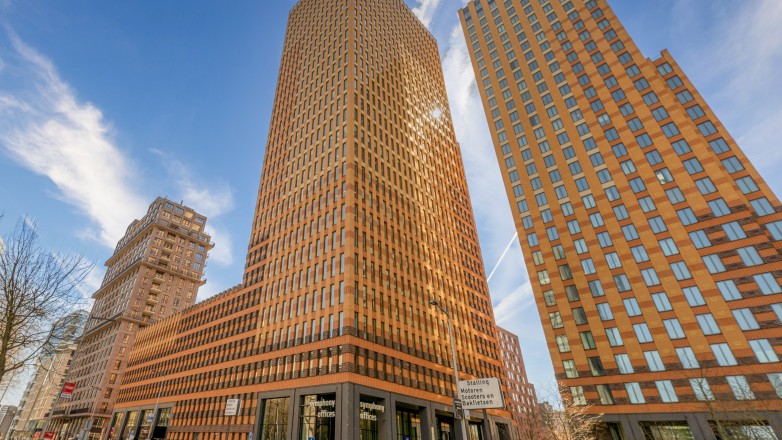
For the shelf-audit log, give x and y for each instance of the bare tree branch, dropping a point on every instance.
(37, 289)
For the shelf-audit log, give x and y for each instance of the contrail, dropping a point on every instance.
(505, 252)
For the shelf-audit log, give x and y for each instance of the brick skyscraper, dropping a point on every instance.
(523, 402)
(155, 271)
(363, 217)
(651, 241)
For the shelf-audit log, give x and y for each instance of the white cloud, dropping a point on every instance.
(425, 11)
(45, 128)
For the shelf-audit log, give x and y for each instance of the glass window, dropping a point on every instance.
(570, 368)
(701, 389)
(604, 393)
(614, 337)
(764, 351)
(632, 307)
(776, 383)
(746, 319)
(713, 263)
(562, 344)
(661, 302)
(750, 256)
(634, 392)
(642, 332)
(740, 387)
(667, 393)
(723, 354)
(693, 295)
(687, 357)
(708, 324)
(674, 328)
(604, 311)
(734, 231)
(587, 340)
(681, 271)
(729, 290)
(654, 360)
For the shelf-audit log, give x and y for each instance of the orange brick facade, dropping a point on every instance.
(363, 217)
(521, 397)
(652, 243)
(155, 272)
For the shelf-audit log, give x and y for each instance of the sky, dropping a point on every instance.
(106, 105)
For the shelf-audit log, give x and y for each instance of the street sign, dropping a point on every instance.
(150, 417)
(481, 393)
(458, 409)
(67, 390)
(232, 406)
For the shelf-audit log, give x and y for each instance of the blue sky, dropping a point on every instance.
(105, 105)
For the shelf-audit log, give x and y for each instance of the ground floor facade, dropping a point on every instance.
(325, 412)
(88, 427)
(756, 425)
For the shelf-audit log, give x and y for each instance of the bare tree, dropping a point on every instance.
(564, 419)
(37, 289)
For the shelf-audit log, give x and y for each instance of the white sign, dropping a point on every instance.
(232, 406)
(481, 393)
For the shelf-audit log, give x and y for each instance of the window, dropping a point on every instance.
(750, 256)
(719, 146)
(650, 277)
(767, 283)
(587, 340)
(723, 354)
(686, 216)
(639, 254)
(719, 207)
(579, 316)
(746, 319)
(687, 357)
(562, 344)
(613, 260)
(572, 293)
(713, 263)
(681, 271)
(708, 324)
(631, 305)
(674, 195)
(634, 392)
(661, 302)
(700, 239)
(596, 287)
(707, 128)
(705, 186)
(670, 130)
(674, 328)
(776, 383)
(693, 166)
(734, 231)
(556, 320)
(647, 204)
(621, 282)
(729, 290)
(596, 366)
(764, 351)
(693, 295)
(642, 332)
(614, 337)
(740, 387)
(732, 164)
(570, 368)
(577, 393)
(623, 363)
(604, 311)
(667, 393)
(701, 389)
(654, 360)
(669, 247)
(604, 393)
(747, 185)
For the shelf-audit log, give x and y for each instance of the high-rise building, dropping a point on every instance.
(155, 271)
(7, 413)
(522, 401)
(363, 218)
(651, 241)
(41, 392)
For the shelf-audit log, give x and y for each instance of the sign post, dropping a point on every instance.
(231, 409)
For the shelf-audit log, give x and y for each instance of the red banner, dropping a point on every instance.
(67, 390)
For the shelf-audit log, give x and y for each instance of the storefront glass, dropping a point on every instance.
(116, 426)
(445, 430)
(408, 424)
(274, 422)
(370, 415)
(129, 431)
(318, 417)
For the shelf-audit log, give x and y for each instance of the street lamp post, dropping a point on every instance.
(157, 403)
(453, 360)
